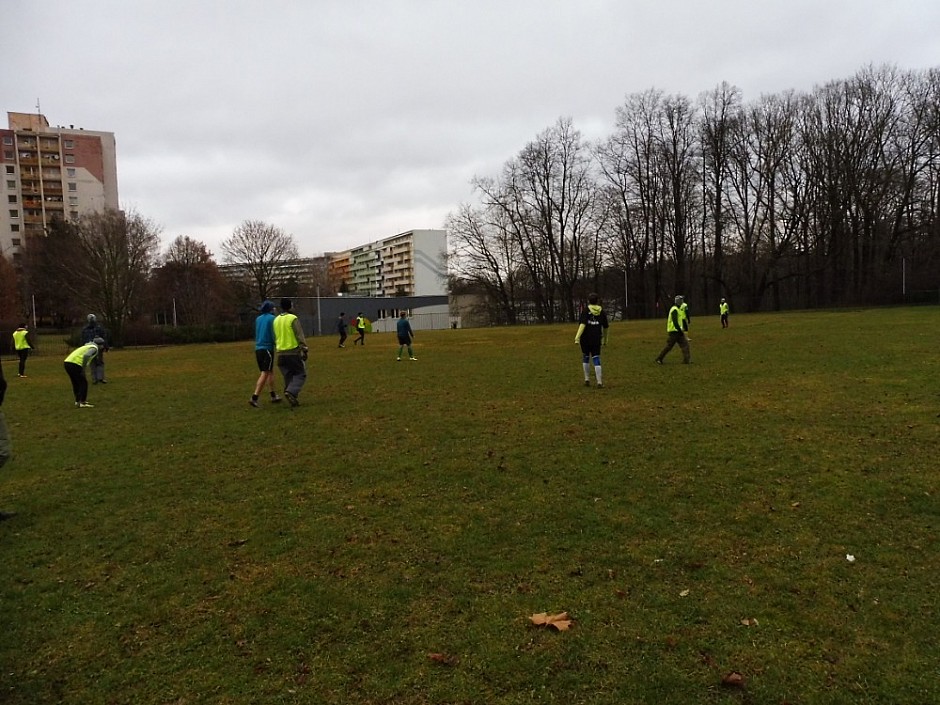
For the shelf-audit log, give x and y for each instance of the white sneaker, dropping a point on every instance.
(86, 405)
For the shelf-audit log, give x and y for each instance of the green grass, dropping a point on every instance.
(175, 546)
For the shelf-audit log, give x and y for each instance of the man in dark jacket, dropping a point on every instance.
(91, 331)
(4, 434)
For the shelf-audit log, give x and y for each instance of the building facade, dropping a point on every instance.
(48, 173)
(412, 263)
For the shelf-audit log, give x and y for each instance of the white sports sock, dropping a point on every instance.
(587, 371)
(599, 374)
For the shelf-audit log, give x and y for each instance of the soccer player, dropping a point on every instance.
(75, 365)
(22, 346)
(291, 347)
(674, 333)
(264, 352)
(405, 336)
(592, 332)
(723, 313)
(360, 328)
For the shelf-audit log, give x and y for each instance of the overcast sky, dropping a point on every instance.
(348, 121)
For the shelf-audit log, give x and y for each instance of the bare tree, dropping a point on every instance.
(116, 252)
(260, 251)
(190, 284)
(721, 118)
(485, 255)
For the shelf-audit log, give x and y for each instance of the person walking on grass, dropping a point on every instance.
(291, 347)
(723, 313)
(405, 336)
(264, 353)
(75, 364)
(593, 329)
(686, 323)
(675, 334)
(21, 344)
(360, 328)
(341, 328)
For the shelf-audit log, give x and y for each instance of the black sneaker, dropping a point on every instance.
(254, 403)
(276, 399)
(291, 399)
(587, 383)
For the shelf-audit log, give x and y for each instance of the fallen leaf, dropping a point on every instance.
(749, 622)
(684, 593)
(561, 621)
(733, 679)
(443, 658)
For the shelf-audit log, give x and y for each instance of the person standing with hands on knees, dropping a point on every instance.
(405, 336)
(592, 333)
(291, 347)
(75, 365)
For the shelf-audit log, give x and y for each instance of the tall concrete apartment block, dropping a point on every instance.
(51, 172)
(409, 264)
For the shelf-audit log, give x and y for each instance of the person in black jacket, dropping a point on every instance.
(91, 331)
(4, 434)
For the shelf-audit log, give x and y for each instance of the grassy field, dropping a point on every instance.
(388, 540)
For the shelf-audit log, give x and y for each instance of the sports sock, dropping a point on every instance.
(587, 371)
(599, 374)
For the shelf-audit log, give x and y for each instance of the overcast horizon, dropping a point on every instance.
(343, 123)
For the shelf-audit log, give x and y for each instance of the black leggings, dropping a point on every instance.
(79, 383)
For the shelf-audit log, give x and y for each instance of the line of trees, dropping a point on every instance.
(110, 264)
(827, 198)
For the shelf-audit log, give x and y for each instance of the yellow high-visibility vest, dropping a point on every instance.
(284, 336)
(77, 356)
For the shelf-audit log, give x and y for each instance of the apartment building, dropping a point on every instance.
(408, 264)
(48, 173)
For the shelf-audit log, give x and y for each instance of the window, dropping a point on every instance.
(69, 144)
(10, 169)
(69, 158)
(70, 171)
(11, 183)
(73, 200)
(73, 186)
(15, 228)
(15, 241)
(11, 198)
(7, 140)
(8, 155)
(14, 213)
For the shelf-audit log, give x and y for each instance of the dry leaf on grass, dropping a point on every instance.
(733, 679)
(443, 659)
(561, 621)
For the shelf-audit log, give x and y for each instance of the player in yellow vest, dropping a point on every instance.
(723, 313)
(75, 364)
(675, 334)
(291, 348)
(22, 347)
(360, 329)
